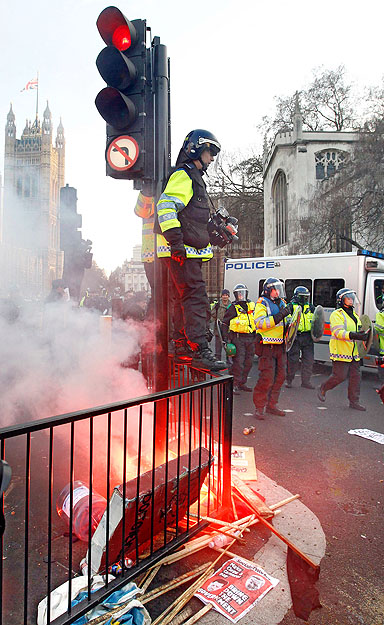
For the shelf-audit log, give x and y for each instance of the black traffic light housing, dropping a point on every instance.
(126, 104)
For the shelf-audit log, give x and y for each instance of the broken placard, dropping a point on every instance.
(243, 462)
(370, 434)
(164, 496)
(236, 587)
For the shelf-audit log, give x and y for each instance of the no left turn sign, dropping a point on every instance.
(122, 153)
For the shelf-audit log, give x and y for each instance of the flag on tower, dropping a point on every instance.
(31, 84)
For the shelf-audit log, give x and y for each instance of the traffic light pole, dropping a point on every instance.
(162, 167)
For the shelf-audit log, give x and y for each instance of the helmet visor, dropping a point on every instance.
(351, 295)
(241, 295)
(279, 287)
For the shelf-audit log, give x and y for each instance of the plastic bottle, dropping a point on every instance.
(81, 508)
(249, 429)
(222, 540)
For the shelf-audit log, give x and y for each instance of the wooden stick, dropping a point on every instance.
(173, 583)
(199, 614)
(228, 553)
(219, 522)
(186, 613)
(287, 542)
(150, 577)
(234, 508)
(284, 502)
(166, 617)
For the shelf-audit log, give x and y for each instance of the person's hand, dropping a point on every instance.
(178, 254)
(289, 307)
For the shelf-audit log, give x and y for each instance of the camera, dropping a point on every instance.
(222, 228)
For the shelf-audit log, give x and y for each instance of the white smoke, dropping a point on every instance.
(55, 358)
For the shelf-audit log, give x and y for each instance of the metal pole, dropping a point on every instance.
(162, 166)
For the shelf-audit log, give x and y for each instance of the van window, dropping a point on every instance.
(325, 291)
(290, 286)
(379, 293)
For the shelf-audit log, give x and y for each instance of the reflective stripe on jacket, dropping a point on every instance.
(244, 322)
(145, 208)
(341, 347)
(265, 324)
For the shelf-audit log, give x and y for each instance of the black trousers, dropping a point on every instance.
(272, 365)
(340, 372)
(243, 359)
(190, 286)
(303, 344)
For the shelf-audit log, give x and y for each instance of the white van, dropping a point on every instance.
(323, 275)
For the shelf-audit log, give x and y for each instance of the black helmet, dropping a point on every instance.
(199, 140)
(346, 293)
(273, 283)
(301, 295)
(240, 292)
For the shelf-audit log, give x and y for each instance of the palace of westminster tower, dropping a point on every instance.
(30, 256)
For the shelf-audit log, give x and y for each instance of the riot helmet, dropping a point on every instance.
(301, 295)
(271, 284)
(349, 293)
(240, 293)
(194, 145)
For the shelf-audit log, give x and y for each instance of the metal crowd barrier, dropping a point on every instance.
(170, 450)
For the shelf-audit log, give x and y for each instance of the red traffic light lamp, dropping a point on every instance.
(126, 104)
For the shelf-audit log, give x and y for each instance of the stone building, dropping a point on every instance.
(133, 273)
(30, 255)
(297, 163)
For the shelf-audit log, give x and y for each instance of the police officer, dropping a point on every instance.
(183, 211)
(270, 312)
(345, 331)
(239, 329)
(218, 310)
(303, 343)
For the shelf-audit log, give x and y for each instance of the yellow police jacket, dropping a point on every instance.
(175, 197)
(244, 322)
(145, 208)
(341, 347)
(265, 324)
(305, 319)
(379, 327)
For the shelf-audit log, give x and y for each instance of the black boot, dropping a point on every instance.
(203, 358)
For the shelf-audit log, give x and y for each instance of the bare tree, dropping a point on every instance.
(328, 103)
(237, 184)
(348, 209)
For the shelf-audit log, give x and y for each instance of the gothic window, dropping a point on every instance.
(328, 162)
(27, 186)
(19, 186)
(279, 194)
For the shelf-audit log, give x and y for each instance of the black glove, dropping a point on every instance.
(359, 336)
(178, 253)
(284, 312)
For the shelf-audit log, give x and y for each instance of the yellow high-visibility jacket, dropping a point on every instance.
(341, 347)
(184, 204)
(145, 208)
(265, 324)
(379, 326)
(244, 322)
(305, 319)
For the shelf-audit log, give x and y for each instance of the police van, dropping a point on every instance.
(323, 275)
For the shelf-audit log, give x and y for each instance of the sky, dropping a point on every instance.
(229, 59)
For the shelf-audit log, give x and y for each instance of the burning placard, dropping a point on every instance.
(236, 588)
(164, 495)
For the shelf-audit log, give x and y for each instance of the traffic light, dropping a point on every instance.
(126, 104)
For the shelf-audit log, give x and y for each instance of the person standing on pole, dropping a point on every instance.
(344, 353)
(183, 212)
(239, 329)
(270, 313)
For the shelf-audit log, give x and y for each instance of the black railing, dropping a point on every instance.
(162, 462)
